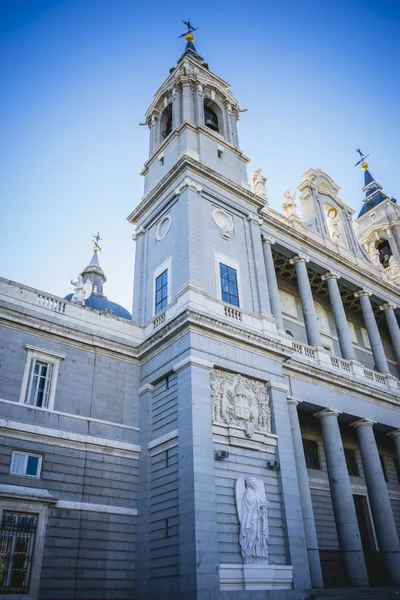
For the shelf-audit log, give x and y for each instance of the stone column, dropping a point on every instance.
(396, 438)
(198, 537)
(385, 527)
(373, 331)
(342, 326)
(187, 111)
(260, 293)
(342, 499)
(289, 485)
(176, 108)
(138, 309)
(145, 394)
(274, 297)
(305, 496)
(154, 137)
(393, 326)
(199, 105)
(307, 302)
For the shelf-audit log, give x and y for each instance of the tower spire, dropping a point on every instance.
(93, 271)
(372, 189)
(189, 37)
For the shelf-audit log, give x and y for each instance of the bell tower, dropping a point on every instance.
(198, 225)
(193, 112)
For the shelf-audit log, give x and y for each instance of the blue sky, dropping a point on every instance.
(77, 76)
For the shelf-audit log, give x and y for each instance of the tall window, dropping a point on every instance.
(40, 377)
(351, 462)
(161, 291)
(39, 384)
(311, 454)
(229, 287)
(17, 537)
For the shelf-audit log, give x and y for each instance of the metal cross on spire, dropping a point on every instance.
(96, 239)
(362, 157)
(190, 28)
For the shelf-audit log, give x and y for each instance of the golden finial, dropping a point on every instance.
(362, 161)
(189, 37)
(96, 239)
(364, 166)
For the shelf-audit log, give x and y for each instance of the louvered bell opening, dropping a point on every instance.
(168, 127)
(210, 119)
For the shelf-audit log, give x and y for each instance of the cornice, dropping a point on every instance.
(197, 168)
(66, 334)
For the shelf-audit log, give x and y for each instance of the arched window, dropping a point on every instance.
(385, 252)
(166, 122)
(210, 116)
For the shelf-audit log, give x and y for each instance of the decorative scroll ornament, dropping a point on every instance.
(251, 507)
(240, 401)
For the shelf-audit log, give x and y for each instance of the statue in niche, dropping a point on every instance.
(333, 224)
(394, 268)
(289, 205)
(251, 507)
(240, 401)
(258, 183)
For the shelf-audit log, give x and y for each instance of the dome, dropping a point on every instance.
(97, 300)
(101, 303)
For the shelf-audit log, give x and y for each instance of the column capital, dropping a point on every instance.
(395, 433)
(387, 305)
(137, 233)
(254, 219)
(276, 385)
(330, 275)
(327, 412)
(192, 360)
(295, 401)
(362, 292)
(299, 258)
(362, 423)
(267, 239)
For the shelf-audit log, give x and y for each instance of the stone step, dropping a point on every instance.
(381, 593)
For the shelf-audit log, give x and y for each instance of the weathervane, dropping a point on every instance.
(362, 157)
(96, 239)
(190, 29)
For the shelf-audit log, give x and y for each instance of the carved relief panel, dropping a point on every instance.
(240, 403)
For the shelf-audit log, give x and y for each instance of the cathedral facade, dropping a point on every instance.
(237, 436)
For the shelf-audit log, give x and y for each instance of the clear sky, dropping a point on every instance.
(318, 79)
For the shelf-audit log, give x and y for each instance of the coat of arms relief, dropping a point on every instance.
(240, 401)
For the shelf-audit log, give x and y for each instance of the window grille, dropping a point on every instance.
(161, 291)
(17, 537)
(311, 454)
(351, 462)
(229, 287)
(39, 384)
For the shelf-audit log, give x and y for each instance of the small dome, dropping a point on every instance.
(101, 303)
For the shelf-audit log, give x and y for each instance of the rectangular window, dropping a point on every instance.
(161, 291)
(229, 287)
(351, 462)
(39, 384)
(311, 454)
(26, 465)
(17, 537)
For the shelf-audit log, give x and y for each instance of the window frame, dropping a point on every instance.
(232, 264)
(164, 266)
(26, 455)
(318, 454)
(40, 510)
(43, 356)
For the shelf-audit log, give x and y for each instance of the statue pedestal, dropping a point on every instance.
(255, 576)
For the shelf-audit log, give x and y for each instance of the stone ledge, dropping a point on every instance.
(260, 576)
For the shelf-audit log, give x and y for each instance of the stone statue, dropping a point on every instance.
(374, 255)
(289, 205)
(251, 506)
(82, 290)
(240, 401)
(78, 291)
(258, 183)
(394, 269)
(333, 224)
